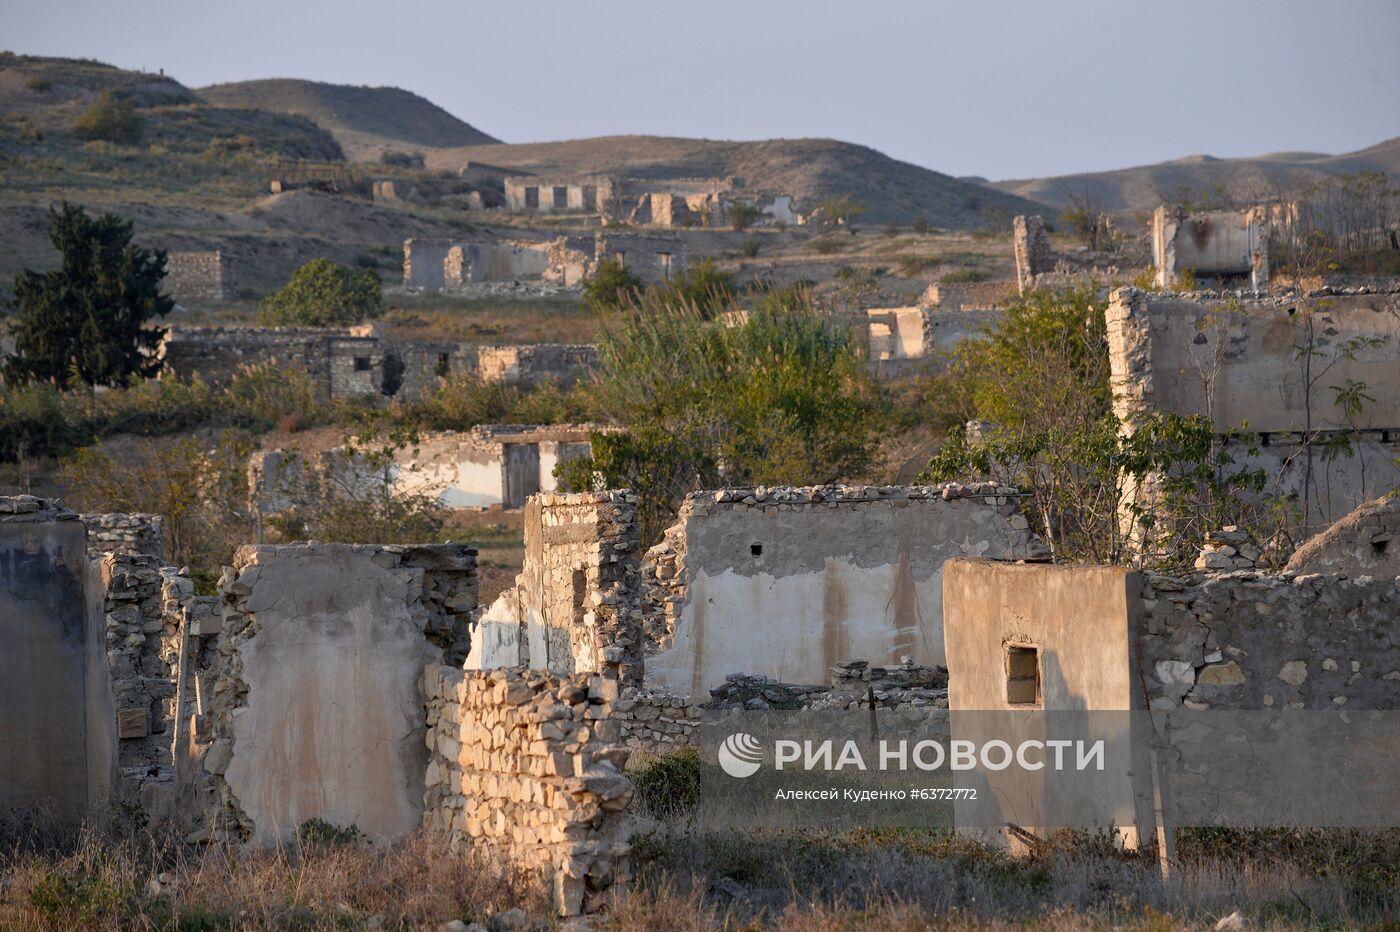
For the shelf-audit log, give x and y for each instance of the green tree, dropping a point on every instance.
(838, 210)
(323, 294)
(742, 216)
(782, 398)
(108, 119)
(610, 287)
(84, 322)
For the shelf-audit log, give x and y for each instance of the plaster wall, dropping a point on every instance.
(57, 722)
(1247, 362)
(786, 590)
(333, 725)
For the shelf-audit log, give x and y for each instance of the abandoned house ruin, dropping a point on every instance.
(203, 277)
(490, 465)
(899, 340)
(660, 202)
(359, 362)
(1220, 248)
(1257, 364)
(458, 265)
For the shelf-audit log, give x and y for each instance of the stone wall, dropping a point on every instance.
(1031, 245)
(572, 609)
(199, 277)
(969, 295)
(1250, 640)
(56, 716)
(341, 363)
(901, 340)
(125, 533)
(315, 710)
(531, 364)
(527, 766)
(651, 258)
(832, 572)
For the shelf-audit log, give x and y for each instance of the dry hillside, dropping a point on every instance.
(808, 169)
(366, 121)
(1204, 177)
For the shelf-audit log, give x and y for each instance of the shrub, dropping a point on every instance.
(742, 216)
(749, 247)
(108, 119)
(323, 294)
(38, 84)
(920, 224)
(612, 286)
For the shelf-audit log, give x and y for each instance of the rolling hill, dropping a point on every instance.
(807, 169)
(366, 121)
(1247, 179)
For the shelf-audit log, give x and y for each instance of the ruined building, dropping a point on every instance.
(1279, 367)
(1220, 248)
(459, 265)
(359, 362)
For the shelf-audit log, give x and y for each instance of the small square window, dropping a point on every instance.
(444, 364)
(1022, 674)
(362, 364)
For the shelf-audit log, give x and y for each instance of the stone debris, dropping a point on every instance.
(1228, 549)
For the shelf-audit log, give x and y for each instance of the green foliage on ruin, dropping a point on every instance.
(323, 294)
(1038, 383)
(84, 322)
(782, 397)
(109, 119)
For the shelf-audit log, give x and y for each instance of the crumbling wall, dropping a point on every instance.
(653, 259)
(125, 533)
(1275, 366)
(341, 363)
(531, 364)
(1364, 543)
(1031, 245)
(1214, 245)
(316, 711)
(527, 766)
(484, 466)
(199, 276)
(56, 717)
(581, 193)
(958, 296)
(572, 609)
(832, 573)
(901, 340)
(423, 263)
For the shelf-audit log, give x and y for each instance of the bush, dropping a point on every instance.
(38, 84)
(109, 120)
(749, 247)
(612, 286)
(920, 224)
(323, 294)
(742, 216)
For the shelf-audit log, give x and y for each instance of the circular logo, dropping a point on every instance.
(740, 755)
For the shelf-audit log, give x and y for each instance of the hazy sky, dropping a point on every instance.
(1000, 88)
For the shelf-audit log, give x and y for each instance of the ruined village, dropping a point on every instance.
(402, 528)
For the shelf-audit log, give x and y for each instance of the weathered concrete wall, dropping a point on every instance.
(316, 707)
(787, 582)
(1251, 361)
(1364, 543)
(1212, 244)
(580, 193)
(572, 608)
(57, 727)
(653, 259)
(423, 261)
(1075, 618)
(528, 767)
(901, 340)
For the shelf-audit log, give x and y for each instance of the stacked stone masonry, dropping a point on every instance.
(126, 533)
(573, 608)
(528, 765)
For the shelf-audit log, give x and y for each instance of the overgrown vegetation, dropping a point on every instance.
(323, 294)
(108, 119)
(1098, 490)
(781, 397)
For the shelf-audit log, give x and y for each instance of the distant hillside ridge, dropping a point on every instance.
(807, 169)
(366, 121)
(1245, 179)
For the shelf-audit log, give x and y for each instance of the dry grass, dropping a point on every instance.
(145, 882)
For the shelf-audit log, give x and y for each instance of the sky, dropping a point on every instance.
(997, 88)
